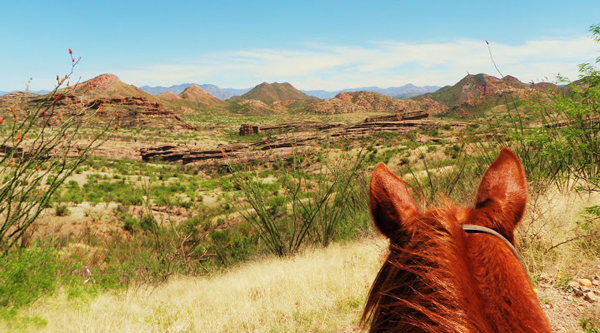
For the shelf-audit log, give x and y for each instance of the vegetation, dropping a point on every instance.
(309, 206)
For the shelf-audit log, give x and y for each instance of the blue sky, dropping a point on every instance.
(322, 44)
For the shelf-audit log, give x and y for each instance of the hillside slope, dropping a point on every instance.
(106, 92)
(271, 92)
(480, 92)
(196, 94)
(364, 101)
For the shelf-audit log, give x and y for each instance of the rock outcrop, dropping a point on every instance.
(299, 134)
(300, 126)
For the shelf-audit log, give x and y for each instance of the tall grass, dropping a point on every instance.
(318, 290)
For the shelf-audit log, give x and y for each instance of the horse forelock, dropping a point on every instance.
(424, 284)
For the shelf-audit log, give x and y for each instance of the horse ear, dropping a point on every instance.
(390, 202)
(502, 194)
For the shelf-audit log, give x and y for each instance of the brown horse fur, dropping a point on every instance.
(437, 278)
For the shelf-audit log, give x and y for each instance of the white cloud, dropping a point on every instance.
(383, 63)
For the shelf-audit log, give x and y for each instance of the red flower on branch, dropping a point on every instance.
(56, 98)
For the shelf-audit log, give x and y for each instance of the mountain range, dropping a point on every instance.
(220, 93)
(473, 95)
(405, 91)
(37, 92)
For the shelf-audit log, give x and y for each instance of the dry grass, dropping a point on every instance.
(551, 223)
(317, 291)
(556, 257)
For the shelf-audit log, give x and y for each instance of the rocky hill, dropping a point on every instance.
(196, 94)
(106, 86)
(364, 101)
(168, 96)
(475, 92)
(107, 92)
(271, 92)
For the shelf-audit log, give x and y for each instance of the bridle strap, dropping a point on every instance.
(477, 229)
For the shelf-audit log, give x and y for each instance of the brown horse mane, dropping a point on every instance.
(438, 278)
(423, 268)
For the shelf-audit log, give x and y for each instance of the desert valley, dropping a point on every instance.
(182, 194)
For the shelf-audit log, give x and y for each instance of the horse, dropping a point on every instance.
(453, 269)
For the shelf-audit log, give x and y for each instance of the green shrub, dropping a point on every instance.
(62, 210)
(26, 275)
(313, 205)
(131, 224)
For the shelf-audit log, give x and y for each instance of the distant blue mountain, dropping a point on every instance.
(38, 92)
(405, 91)
(220, 93)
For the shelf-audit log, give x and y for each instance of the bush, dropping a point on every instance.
(313, 205)
(27, 274)
(61, 210)
(31, 171)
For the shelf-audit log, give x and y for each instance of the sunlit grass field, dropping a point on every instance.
(319, 290)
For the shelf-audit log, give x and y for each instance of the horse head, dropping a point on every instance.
(439, 275)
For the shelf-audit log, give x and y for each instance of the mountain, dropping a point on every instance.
(272, 92)
(480, 92)
(176, 89)
(15, 100)
(108, 93)
(37, 92)
(196, 94)
(230, 91)
(473, 88)
(168, 96)
(363, 101)
(220, 93)
(106, 86)
(405, 91)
